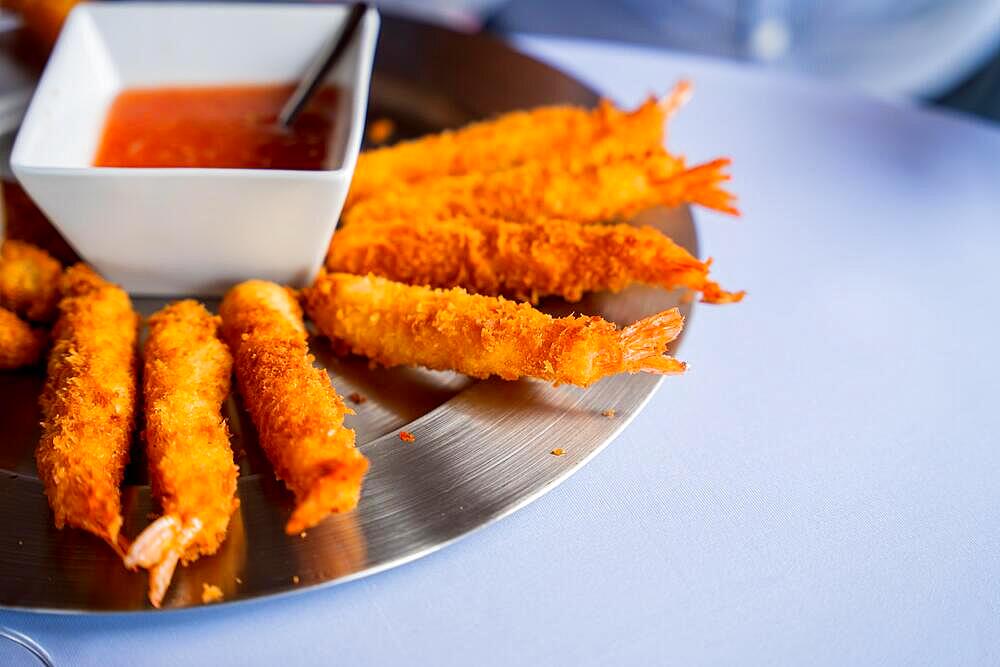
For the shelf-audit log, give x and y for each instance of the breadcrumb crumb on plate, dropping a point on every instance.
(558, 451)
(609, 413)
(406, 436)
(381, 130)
(211, 593)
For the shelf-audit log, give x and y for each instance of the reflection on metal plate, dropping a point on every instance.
(482, 449)
(18, 650)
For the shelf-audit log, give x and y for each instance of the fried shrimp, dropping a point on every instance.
(88, 404)
(29, 281)
(395, 324)
(525, 261)
(589, 191)
(20, 345)
(298, 415)
(515, 138)
(185, 382)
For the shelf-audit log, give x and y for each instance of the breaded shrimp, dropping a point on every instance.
(515, 138)
(395, 324)
(20, 345)
(185, 382)
(88, 404)
(587, 191)
(526, 261)
(29, 281)
(298, 415)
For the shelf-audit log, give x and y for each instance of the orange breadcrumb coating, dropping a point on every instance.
(29, 281)
(298, 415)
(588, 191)
(20, 345)
(525, 261)
(185, 382)
(515, 138)
(396, 324)
(88, 404)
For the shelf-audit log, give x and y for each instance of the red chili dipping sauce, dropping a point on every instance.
(229, 127)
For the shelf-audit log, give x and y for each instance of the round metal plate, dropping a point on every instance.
(482, 449)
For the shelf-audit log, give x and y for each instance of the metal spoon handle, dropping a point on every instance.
(319, 68)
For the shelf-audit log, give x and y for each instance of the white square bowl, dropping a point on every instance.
(169, 231)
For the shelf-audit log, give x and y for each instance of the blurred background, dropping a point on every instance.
(939, 52)
(944, 52)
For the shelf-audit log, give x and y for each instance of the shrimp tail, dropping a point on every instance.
(712, 293)
(158, 549)
(676, 98)
(149, 547)
(160, 576)
(120, 544)
(644, 344)
(701, 185)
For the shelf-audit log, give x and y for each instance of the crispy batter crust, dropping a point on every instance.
(589, 190)
(298, 415)
(185, 382)
(29, 281)
(88, 404)
(20, 345)
(512, 139)
(525, 261)
(395, 324)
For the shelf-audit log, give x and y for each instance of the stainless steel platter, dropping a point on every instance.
(482, 449)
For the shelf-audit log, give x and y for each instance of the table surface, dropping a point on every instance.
(820, 488)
